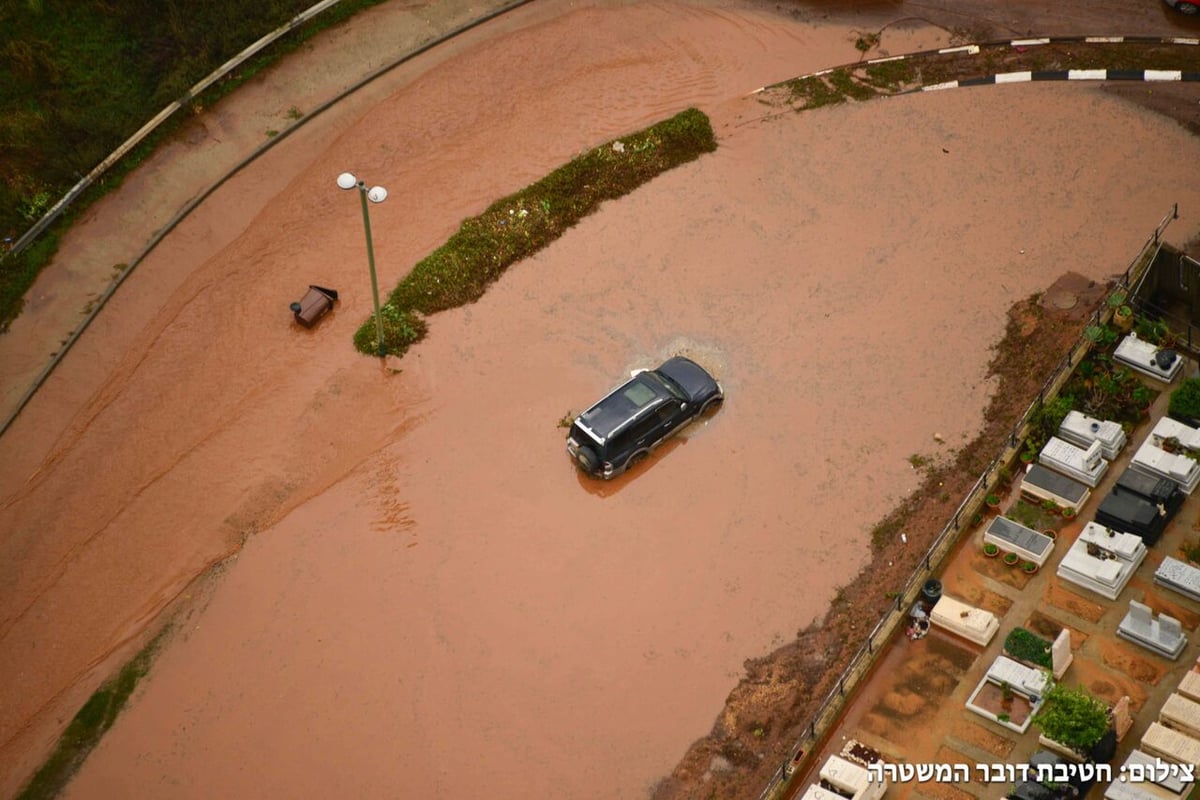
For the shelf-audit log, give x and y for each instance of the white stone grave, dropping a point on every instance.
(1102, 560)
(1025, 681)
(1163, 635)
(1081, 430)
(1181, 714)
(1144, 778)
(1084, 465)
(1167, 428)
(816, 792)
(1148, 359)
(1013, 537)
(1189, 687)
(973, 624)
(1169, 745)
(851, 779)
(1179, 576)
(1153, 460)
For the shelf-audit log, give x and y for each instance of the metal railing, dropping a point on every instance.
(876, 641)
(195, 202)
(133, 141)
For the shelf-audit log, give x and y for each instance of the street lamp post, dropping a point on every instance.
(376, 194)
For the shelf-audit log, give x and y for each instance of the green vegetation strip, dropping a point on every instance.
(97, 716)
(521, 224)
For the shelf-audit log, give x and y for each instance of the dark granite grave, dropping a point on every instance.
(1130, 513)
(1156, 490)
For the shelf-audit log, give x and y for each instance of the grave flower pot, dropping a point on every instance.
(1051, 533)
(992, 502)
(1029, 568)
(990, 550)
(1123, 319)
(1068, 513)
(1011, 559)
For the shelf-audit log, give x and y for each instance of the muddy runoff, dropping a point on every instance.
(428, 600)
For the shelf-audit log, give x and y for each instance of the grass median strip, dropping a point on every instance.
(523, 223)
(90, 723)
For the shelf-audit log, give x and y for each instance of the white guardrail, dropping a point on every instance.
(133, 141)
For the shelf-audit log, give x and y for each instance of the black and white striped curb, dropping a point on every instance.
(1066, 75)
(1036, 75)
(1072, 74)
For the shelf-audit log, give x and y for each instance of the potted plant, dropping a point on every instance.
(1006, 696)
(1122, 313)
(1028, 456)
(1029, 567)
(1050, 533)
(990, 550)
(1143, 398)
(993, 502)
(1068, 513)
(1011, 559)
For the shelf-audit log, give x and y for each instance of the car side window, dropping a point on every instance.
(667, 411)
(643, 428)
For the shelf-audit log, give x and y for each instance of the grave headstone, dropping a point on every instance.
(1060, 653)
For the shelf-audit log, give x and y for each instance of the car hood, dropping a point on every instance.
(691, 377)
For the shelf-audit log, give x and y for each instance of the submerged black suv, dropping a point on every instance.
(639, 415)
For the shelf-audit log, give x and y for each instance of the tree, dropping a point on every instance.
(1073, 717)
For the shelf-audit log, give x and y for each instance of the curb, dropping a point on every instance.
(1019, 77)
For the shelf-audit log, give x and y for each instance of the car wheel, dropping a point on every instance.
(636, 459)
(1188, 8)
(711, 405)
(588, 459)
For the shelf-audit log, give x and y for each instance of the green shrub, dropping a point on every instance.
(1027, 646)
(1073, 717)
(400, 330)
(521, 224)
(1185, 401)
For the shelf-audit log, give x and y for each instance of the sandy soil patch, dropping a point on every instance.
(1049, 628)
(947, 755)
(1122, 657)
(997, 570)
(1109, 685)
(1066, 600)
(978, 736)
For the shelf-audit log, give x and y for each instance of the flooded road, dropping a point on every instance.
(430, 601)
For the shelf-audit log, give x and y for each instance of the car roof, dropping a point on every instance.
(623, 404)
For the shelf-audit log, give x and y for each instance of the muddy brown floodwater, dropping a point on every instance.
(430, 601)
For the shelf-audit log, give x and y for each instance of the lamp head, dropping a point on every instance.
(377, 194)
(346, 181)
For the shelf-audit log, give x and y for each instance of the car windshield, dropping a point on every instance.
(671, 386)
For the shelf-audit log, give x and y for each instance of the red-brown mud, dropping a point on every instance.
(436, 604)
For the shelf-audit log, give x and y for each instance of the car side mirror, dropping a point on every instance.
(683, 407)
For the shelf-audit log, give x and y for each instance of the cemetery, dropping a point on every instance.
(1104, 556)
